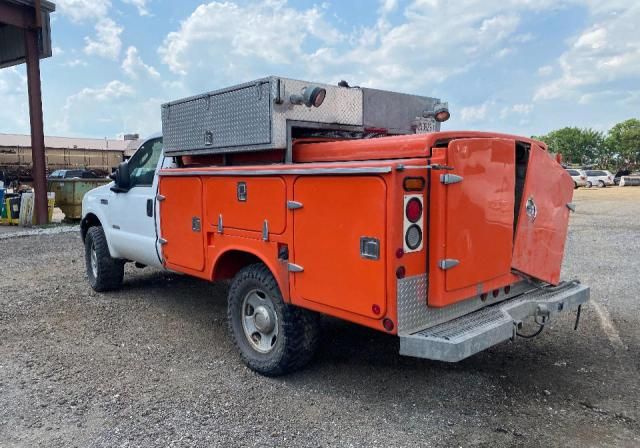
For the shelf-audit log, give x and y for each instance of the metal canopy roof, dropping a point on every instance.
(15, 16)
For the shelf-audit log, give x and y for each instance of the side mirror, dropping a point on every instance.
(122, 178)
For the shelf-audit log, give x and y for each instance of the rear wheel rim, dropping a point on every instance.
(259, 321)
(94, 261)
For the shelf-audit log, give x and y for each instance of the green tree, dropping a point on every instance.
(577, 146)
(623, 144)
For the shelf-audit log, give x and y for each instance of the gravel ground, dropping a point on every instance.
(153, 365)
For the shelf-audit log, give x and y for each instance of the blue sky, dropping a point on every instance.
(518, 66)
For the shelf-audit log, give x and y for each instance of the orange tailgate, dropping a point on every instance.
(181, 221)
(336, 213)
(543, 219)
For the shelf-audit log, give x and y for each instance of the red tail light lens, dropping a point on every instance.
(414, 210)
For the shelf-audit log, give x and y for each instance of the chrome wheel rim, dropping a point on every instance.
(94, 261)
(259, 321)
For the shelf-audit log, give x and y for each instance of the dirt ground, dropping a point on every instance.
(153, 365)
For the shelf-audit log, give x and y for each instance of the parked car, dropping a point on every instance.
(600, 178)
(73, 174)
(619, 174)
(579, 177)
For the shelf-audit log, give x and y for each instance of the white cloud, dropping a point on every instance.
(75, 63)
(523, 109)
(111, 90)
(14, 113)
(107, 42)
(474, 114)
(545, 70)
(516, 109)
(92, 105)
(141, 5)
(233, 39)
(607, 51)
(387, 6)
(222, 43)
(133, 65)
(80, 10)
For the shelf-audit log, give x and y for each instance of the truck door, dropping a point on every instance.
(338, 215)
(132, 226)
(543, 218)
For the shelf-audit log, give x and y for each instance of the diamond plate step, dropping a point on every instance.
(467, 335)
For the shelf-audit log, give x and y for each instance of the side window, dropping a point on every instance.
(142, 165)
(573, 173)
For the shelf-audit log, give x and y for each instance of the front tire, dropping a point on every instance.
(601, 184)
(104, 273)
(589, 184)
(273, 338)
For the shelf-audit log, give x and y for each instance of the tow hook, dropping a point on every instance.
(542, 312)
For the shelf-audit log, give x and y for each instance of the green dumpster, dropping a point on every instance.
(69, 194)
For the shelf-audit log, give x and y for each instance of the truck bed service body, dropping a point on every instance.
(349, 202)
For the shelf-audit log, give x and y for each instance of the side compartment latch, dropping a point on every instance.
(449, 178)
(294, 267)
(448, 263)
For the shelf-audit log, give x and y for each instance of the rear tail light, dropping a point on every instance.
(413, 209)
(413, 237)
(413, 223)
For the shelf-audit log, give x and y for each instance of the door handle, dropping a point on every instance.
(150, 207)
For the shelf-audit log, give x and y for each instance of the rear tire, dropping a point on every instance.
(273, 338)
(575, 185)
(589, 184)
(104, 273)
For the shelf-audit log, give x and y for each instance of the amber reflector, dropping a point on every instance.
(413, 183)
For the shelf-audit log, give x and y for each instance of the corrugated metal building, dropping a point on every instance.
(100, 155)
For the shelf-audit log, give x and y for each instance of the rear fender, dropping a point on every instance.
(233, 259)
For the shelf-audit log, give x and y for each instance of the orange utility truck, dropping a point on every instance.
(344, 201)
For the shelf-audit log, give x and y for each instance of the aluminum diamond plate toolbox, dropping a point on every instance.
(260, 115)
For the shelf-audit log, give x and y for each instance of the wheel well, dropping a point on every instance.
(88, 221)
(229, 263)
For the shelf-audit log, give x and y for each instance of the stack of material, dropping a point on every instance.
(630, 181)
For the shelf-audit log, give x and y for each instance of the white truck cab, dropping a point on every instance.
(127, 213)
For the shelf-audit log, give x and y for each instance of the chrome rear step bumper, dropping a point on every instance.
(460, 338)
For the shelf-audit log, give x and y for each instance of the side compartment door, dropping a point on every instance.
(543, 218)
(181, 222)
(337, 214)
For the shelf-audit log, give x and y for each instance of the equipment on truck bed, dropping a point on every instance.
(265, 114)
